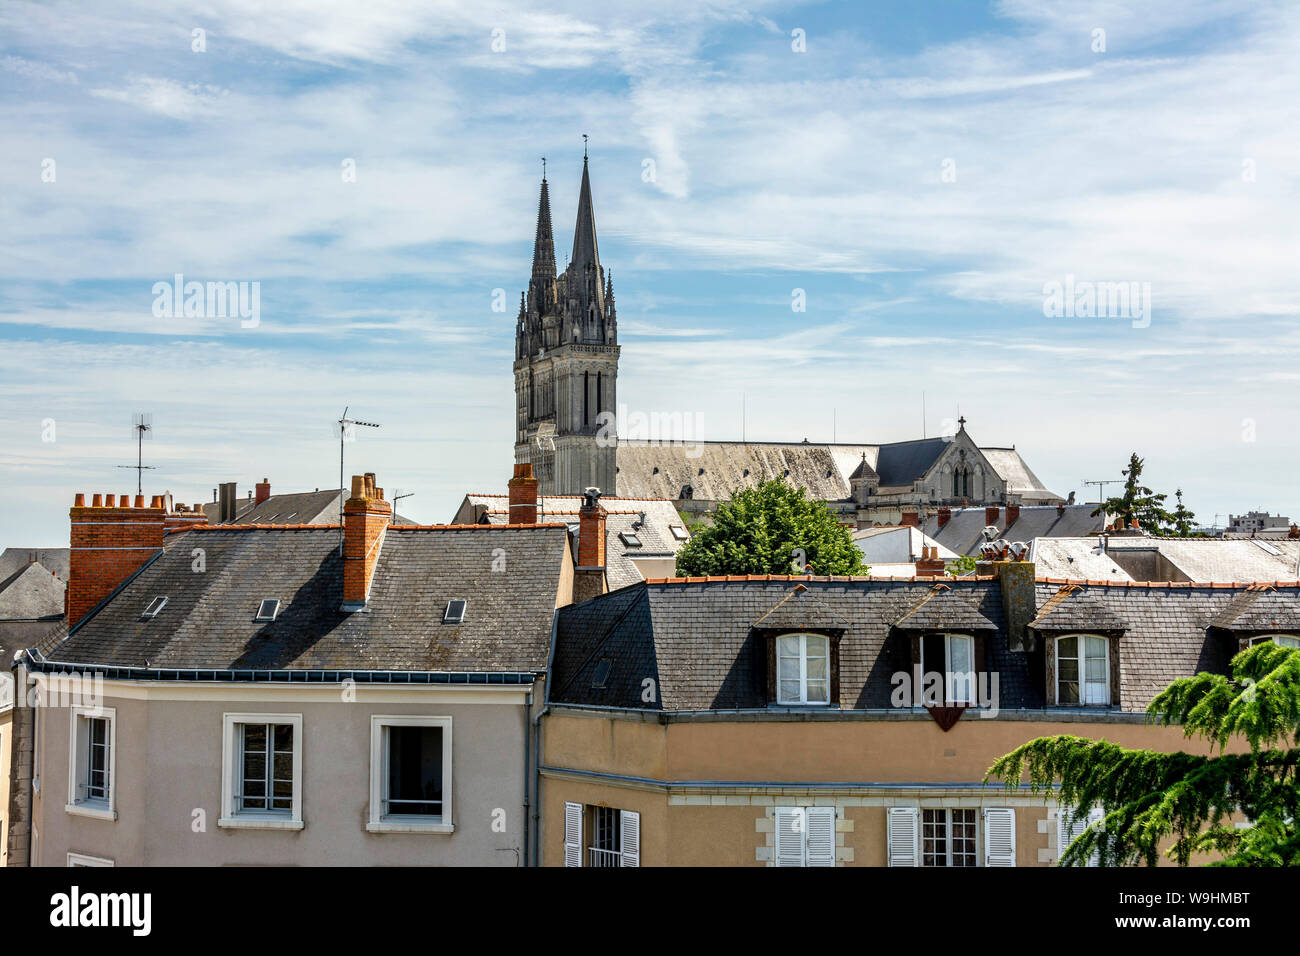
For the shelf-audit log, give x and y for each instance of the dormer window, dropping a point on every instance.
(1281, 640)
(803, 669)
(1083, 670)
(952, 656)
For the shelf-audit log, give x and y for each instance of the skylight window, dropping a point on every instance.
(156, 605)
(629, 539)
(680, 533)
(602, 673)
(267, 610)
(455, 612)
(1268, 548)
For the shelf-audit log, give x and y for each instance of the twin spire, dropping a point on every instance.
(585, 250)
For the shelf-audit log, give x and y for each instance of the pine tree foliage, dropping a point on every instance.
(1137, 502)
(1150, 798)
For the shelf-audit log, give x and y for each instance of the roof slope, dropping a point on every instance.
(31, 594)
(1012, 469)
(55, 560)
(962, 531)
(208, 619)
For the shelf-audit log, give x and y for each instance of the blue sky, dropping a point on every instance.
(1171, 157)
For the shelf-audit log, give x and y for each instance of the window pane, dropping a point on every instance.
(1284, 641)
(818, 692)
(415, 770)
(816, 668)
(788, 691)
(1095, 646)
(1068, 669)
(962, 654)
(788, 669)
(1068, 647)
(817, 646)
(788, 646)
(1069, 692)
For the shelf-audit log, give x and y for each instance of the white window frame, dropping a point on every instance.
(803, 700)
(83, 859)
(947, 812)
(104, 808)
(255, 819)
(1081, 643)
(377, 822)
(1290, 640)
(968, 678)
(802, 821)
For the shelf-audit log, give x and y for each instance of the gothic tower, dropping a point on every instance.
(566, 360)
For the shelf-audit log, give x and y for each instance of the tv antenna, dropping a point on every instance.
(142, 428)
(1101, 487)
(346, 433)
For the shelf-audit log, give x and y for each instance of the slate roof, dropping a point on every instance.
(962, 531)
(307, 507)
(54, 560)
(654, 531)
(208, 619)
(696, 639)
(31, 594)
(715, 471)
(896, 543)
(1073, 609)
(1147, 557)
(1260, 611)
(943, 609)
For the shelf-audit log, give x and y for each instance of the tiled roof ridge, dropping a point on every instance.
(606, 510)
(1220, 585)
(493, 494)
(822, 578)
(391, 527)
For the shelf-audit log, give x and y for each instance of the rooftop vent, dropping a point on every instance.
(267, 610)
(455, 612)
(156, 605)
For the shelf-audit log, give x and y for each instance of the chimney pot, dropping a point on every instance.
(139, 501)
(79, 501)
(365, 520)
(591, 531)
(97, 501)
(263, 490)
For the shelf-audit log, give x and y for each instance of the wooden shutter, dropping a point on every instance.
(820, 832)
(903, 837)
(999, 837)
(630, 832)
(790, 828)
(573, 834)
(1066, 834)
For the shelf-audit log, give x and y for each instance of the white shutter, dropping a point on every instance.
(630, 832)
(903, 837)
(573, 834)
(789, 836)
(820, 824)
(1066, 834)
(999, 837)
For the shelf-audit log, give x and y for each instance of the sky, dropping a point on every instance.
(844, 218)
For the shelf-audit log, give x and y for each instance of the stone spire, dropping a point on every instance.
(584, 233)
(542, 286)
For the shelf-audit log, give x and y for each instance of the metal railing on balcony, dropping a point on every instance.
(605, 857)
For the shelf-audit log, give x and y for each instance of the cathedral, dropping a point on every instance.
(566, 380)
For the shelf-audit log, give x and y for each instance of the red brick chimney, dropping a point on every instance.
(945, 515)
(1060, 509)
(930, 565)
(110, 541)
(591, 531)
(263, 491)
(1013, 512)
(366, 516)
(523, 495)
(910, 519)
(990, 514)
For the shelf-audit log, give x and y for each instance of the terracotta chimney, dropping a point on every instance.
(109, 542)
(945, 515)
(930, 565)
(990, 514)
(910, 518)
(1013, 512)
(523, 495)
(263, 491)
(366, 516)
(591, 531)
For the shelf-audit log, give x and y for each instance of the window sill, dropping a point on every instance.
(243, 822)
(403, 826)
(89, 810)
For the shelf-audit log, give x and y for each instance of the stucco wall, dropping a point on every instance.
(169, 757)
(708, 787)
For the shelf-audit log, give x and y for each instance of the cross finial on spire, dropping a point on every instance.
(584, 146)
(962, 421)
(543, 169)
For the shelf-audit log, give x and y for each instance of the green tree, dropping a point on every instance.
(1137, 502)
(765, 530)
(1182, 518)
(965, 564)
(1150, 797)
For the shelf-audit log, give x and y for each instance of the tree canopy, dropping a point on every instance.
(766, 530)
(1151, 797)
(1138, 502)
